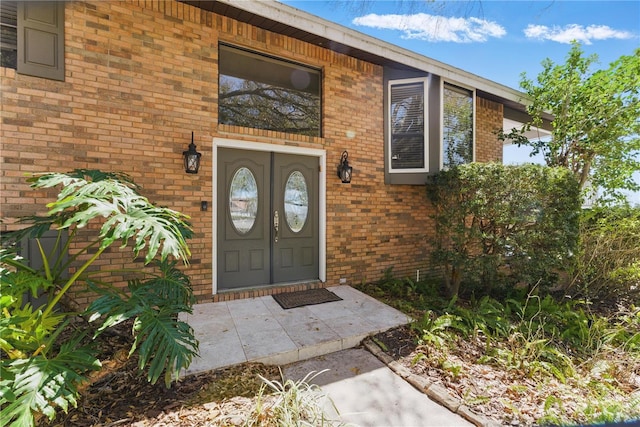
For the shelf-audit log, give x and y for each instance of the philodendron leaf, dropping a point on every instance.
(41, 385)
(130, 217)
(165, 344)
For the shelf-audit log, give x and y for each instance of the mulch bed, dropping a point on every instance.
(397, 342)
(124, 397)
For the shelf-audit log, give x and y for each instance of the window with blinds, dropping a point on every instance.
(457, 126)
(407, 127)
(8, 34)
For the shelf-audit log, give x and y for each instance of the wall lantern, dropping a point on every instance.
(344, 170)
(191, 158)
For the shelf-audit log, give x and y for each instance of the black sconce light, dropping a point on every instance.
(344, 170)
(191, 158)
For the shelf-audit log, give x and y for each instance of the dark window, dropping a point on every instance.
(8, 34)
(32, 38)
(261, 92)
(408, 142)
(457, 126)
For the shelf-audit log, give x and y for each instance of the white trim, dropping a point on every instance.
(426, 83)
(443, 82)
(276, 148)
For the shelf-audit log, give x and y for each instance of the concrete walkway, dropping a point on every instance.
(367, 393)
(313, 338)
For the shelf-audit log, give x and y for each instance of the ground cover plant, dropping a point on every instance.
(290, 403)
(528, 359)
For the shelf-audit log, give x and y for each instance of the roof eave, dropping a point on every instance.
(308, 27)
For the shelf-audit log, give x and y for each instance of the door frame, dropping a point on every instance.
(320, 154)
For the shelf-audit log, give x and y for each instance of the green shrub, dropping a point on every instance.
(503, 225)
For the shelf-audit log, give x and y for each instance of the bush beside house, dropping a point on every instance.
(502, 225)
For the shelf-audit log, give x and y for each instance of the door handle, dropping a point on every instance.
(276, 226)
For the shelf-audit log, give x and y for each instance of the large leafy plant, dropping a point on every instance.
(43, 363)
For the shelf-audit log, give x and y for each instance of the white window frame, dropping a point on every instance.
(425, 83)
(443, 83)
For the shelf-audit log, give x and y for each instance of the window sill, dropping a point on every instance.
(268, 134)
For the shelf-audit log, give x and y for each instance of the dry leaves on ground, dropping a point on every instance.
(510, 397)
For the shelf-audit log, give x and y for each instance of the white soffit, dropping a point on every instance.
(532, 134)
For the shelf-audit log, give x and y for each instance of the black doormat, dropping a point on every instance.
(309, 297)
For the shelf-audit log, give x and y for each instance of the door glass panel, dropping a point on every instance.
(243, 200)
(296, 201)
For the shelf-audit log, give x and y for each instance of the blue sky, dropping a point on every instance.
(497, 40)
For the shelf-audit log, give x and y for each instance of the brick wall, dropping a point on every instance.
(489, 115)
(137, 83)
(142, 75)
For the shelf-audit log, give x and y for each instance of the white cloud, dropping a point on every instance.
(576, 32)
(432, 28)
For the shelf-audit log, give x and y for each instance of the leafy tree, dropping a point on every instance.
(596, 124)
(41, 367)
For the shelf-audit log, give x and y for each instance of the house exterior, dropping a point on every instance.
(274, 98)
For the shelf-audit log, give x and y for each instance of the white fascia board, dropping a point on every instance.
(297, 18)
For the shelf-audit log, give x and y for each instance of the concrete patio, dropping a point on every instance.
(259, 330)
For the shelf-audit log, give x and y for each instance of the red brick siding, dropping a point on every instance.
(142, 75)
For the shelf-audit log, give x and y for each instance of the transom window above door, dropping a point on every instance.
(259, 91)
